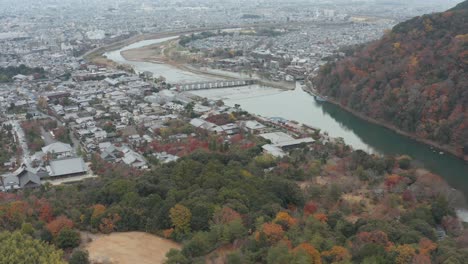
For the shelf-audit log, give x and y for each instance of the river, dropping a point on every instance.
(171, 73)
(302, 107)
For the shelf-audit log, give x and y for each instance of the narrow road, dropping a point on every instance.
(48, 139)
(75, 141)
(25, 158)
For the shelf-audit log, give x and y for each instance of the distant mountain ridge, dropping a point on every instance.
(460, 6)
(415, 78)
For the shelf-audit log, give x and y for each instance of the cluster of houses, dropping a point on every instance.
(270, 129)
(113, 153)
(291, 52)
(149, 109)
(117, 115)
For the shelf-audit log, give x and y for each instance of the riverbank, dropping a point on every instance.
(160, 53)
(96, 54)
(157, 53)
(153, 53)
(447, 149)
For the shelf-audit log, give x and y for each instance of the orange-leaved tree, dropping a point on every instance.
(405, 254)
(225, 215)
(98, 210)
(311, 251)
(284, 218)
(337, 253)
(98, 213)
(273, 232)
(46, 213)
(56, 225)
(426, 246)
(321, 217)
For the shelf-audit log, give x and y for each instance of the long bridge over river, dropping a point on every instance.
(215, 84)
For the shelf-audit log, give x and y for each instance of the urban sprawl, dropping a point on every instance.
(61, 111)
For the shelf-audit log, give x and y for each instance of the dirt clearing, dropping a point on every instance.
(128, 247)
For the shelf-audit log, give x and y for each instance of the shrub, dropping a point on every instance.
(68, 238)
(404, 162)
(79, 257)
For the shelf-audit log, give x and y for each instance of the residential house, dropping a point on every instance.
(58, 150)
(133, 159)
(253, 127)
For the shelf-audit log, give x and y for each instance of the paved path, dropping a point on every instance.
(71, 179)
(22, 142)
(76, 142)
(48, 139)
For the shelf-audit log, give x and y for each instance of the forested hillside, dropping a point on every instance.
(415, 78)
(324, 204)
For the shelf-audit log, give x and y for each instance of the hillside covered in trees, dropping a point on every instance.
(322, 204)
(414, 78)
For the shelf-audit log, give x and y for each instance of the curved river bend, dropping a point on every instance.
(302, 107)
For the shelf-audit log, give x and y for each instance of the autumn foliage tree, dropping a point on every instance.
(46, 213)
(426, 246)
(16, 213)
(405, 254)
(336, 254)
(180, 218)
(167, 233)
(108, 224)
(97, 213)
(375, 237)
(285, 219)
(392, 180)
(272, 231)
(311, 251)
(225, 215)
(321, 217)
(56, 225)
(310, 208)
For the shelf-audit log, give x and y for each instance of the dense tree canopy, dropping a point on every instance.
(18, 248)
